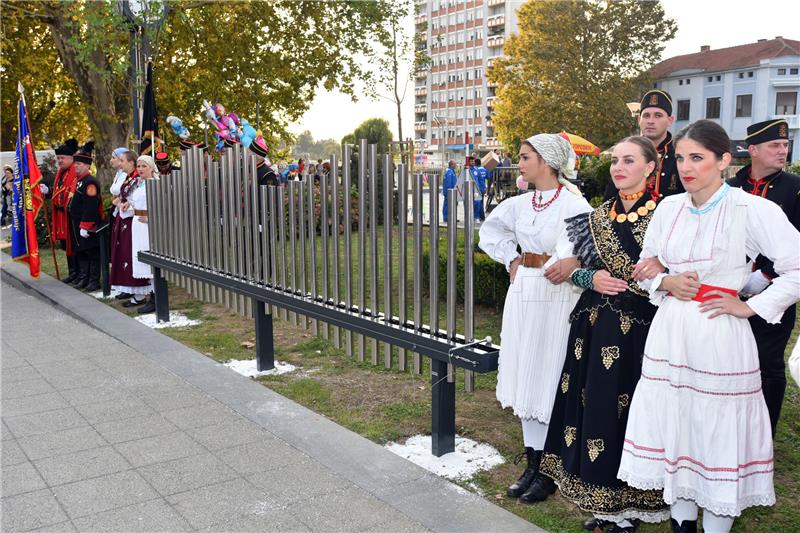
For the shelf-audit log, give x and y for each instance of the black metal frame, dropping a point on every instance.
(478, 357)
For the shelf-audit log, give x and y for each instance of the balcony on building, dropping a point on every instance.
(492, 142)
(493, 22)
(420, 126)
(491, 84)
(489, 123)
(421, 74)
(420, 108)
(490, 61)
(490, 101)
(422, 19)
(494, 42)
(421, 91)
(493, 3)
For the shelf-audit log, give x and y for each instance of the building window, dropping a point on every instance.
(741, 75)
(712, 107)
(718, 78)
(786, 103)
(781, 72)
(680, 82)
(750, 74)
(793, 71)
(683, 110)
(711, 78)
(688, 82)
(744, 105)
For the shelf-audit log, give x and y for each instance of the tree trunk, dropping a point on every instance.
(109, 123)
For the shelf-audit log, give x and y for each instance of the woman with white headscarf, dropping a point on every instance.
(522, 233)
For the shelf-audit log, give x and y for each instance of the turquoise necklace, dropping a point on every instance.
(712, 205)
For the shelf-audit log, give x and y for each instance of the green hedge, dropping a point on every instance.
(490, 280)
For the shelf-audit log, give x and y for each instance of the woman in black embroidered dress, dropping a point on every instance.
(604, 353)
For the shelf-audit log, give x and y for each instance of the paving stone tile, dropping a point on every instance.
(300, 481)
(100, 494)
(71, 467)
(29, 387)
(70, 367)
(12, 453)
(11, 359)
(269, 521)
(135, 428)
(146, 517)
(174, 398)
(96, 394)
(21, 478)
(362, 511)
(22, 372)
(97, 413)
(260, 456)
(159, 449)
(47, 422)
(5, 433)
(33, 404)
(221, 503)
(205, 414)
(186, 474)
(92, 378)
(63, 527)
(31, 510)
(398, 525)
(61, 442)
(228, 434)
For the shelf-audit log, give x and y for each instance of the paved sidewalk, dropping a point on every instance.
(111, 426)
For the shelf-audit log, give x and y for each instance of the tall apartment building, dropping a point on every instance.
(736, 87)
(463, 38)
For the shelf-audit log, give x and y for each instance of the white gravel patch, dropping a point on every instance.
(176, 320)
(247, 367)
(99, 294)
(469, 458)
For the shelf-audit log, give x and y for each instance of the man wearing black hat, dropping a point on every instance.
(769, 147)
(86, 214)
(63, 188)
(655, 118)
(163, 163)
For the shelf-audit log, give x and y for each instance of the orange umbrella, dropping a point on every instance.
(580, 145)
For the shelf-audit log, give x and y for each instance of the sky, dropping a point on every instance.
(718, 23)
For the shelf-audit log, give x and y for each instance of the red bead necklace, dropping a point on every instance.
(538, 206)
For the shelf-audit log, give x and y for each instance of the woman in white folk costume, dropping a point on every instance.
(522, 233)
(698, 424)
(120, 163)
(137, 202)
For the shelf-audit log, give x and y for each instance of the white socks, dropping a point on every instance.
(683, 510)
(534, 433)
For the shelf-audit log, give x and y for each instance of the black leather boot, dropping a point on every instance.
(83, 274)
(94, 276)
(149, 307)
(596, 524)
(687, 526)
(541, 487)
(525, 480)
(72, 265)
(616, 528)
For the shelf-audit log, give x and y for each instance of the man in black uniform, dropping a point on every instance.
(764, 176)
(86, 214)
(655, 118)
(163, 163)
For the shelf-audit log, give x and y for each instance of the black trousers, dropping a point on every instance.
(771, 340)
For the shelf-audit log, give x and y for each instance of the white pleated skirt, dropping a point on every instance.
(698, 425)
(533, 343)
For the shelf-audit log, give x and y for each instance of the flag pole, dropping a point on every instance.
(50, 234)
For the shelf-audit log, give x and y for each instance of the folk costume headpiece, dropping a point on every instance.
(557, 152)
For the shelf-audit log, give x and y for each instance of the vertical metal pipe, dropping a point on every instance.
(264, 221)
(227, 221)
(402, 259)
(273, 235)
(181, 209)
(312, 246)
(293, 241)
(237, 193)
(373, 237)
(452, 264)
(469, 276)
(433, 257)
(301, 197)
(282, 239)
(151, 230)
(348, 252)
(417, 232)
(362, 238)
(256, 208)
(323, 214)
(335, 241)
(388, 282)
(248, 162)
(191, 216)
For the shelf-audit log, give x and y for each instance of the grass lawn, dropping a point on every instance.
(385, 405)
